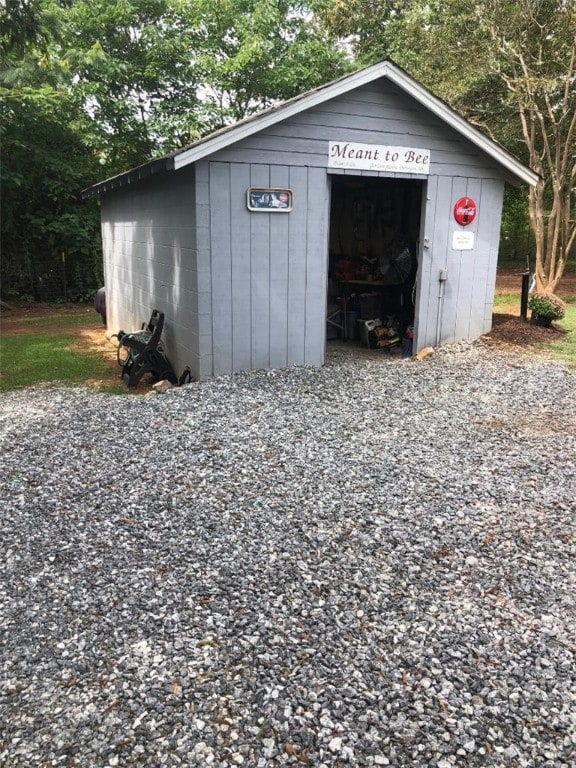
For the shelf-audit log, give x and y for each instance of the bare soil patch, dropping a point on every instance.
(511, 332)
(510, 281)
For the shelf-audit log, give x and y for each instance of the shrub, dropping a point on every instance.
(547, 305)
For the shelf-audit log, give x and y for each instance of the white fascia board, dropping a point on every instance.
(346, 84)
(448, 115)
(276, 114)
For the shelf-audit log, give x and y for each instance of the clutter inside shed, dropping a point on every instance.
(374, 233)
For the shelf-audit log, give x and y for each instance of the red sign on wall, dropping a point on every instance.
(465, 210)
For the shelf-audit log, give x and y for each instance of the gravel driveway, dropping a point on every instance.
(368, 564)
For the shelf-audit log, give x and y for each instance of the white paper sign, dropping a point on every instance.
(463, 241)
(378, 157)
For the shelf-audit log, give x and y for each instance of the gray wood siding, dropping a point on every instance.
(244, 290)
(466, 311)
(149, 245)
(287, 294)
(267, 270)
(204, 272)
(375, 114)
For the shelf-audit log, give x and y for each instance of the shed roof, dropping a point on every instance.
(228, 135)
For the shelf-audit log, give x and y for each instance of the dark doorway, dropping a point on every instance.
(373, 254)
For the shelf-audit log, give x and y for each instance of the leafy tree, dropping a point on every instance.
(509, 66)
(44, 164)
(153, 75)
(533, 45)
(50, 241)
(132, 76)
(91, 88)
(252, 53)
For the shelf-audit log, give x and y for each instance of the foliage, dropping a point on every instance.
(91, 88)
(47, 238)
(547, 305)
(516, 238)
(153, 75)
(132, 74)
(534, 44)
(510, 67)
(47, 235)
(255, 52)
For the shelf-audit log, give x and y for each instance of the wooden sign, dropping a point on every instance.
(378, 157)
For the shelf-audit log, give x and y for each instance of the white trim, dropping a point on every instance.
(263, 120)
(260, 122)
(448, 115)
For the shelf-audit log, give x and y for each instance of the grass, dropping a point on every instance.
(62, 322)
(565, 349)
(42, 356)
(46, 355)
(504, 299)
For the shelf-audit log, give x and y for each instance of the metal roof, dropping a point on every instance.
(224, 137)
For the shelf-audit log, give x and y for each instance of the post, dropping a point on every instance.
(526, 276)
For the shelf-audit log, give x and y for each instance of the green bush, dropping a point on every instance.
(547, 305)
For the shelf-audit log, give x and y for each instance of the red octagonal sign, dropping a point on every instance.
(465, 210)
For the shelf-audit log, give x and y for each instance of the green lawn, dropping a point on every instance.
(52, 355)
(49, 352)
(565, 349)
(503, 299)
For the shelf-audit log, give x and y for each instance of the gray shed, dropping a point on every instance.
(366, 197)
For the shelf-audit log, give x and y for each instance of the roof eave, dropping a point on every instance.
(282, 112)
(446, 113)
(228, 136)
(151, 168)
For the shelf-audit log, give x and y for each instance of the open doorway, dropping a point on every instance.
(373, 260)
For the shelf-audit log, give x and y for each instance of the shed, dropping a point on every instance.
(367, 196)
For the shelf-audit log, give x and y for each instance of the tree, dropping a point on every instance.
(91, 88)
(46, 237)
(507, 65)
(252, 53)
(153, 75)
(534, 54)
(132, 75)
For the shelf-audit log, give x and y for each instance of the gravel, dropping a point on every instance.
(371, 564)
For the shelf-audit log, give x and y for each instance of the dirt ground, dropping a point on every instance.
(509, 331)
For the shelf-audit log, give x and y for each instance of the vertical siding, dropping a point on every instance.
(268, 271)
(204, 362)
(279, 257)
(468, 263)
(241, 269)
(259, 270)
(491, 220)
(316, 266)
(424, 306)
(245, 289)
(434, 259)
(297, 245)
(469, 289)
(221, 266)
